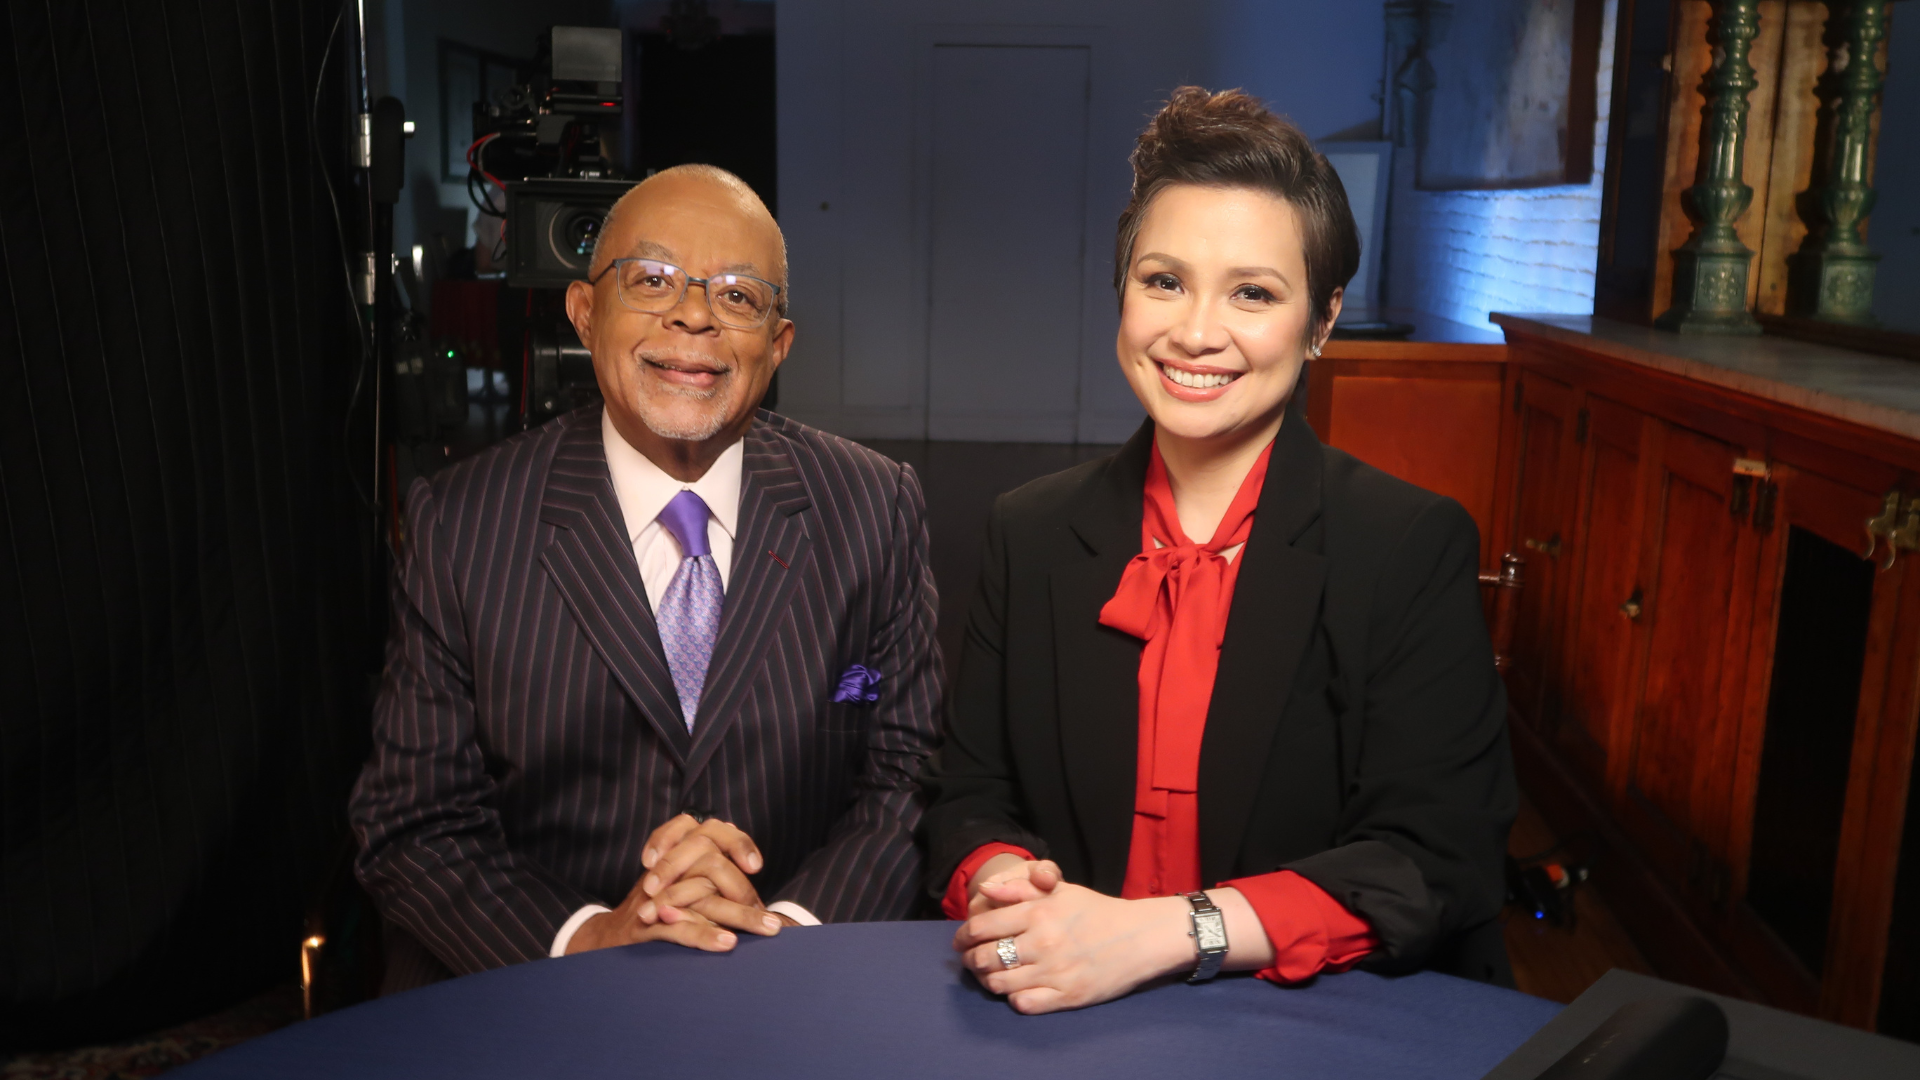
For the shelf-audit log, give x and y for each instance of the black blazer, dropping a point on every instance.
(1357, 733)
(527, 737)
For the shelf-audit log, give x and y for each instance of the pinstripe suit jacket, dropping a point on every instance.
(527, 737)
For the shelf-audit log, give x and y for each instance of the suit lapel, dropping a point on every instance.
(1275, 613)
(769, 556)
(592, 564)
(1098, 668)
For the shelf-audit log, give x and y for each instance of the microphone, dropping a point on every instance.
(1677, 1038)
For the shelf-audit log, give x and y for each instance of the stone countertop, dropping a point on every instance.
(1433, 338)
(1874, 391)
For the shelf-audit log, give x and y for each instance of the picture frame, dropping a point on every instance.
(1366, 171)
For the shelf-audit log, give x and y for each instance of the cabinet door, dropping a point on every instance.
(1542, 451)
(1696, 593)
(1824, 752)
(1601, 631)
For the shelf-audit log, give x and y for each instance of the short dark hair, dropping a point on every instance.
(1230, 139)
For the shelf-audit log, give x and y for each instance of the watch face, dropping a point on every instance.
(1212, 931)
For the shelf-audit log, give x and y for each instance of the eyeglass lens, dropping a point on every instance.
(654, 287)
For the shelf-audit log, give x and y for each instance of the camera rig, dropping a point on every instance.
(550, 126)
(541, 162)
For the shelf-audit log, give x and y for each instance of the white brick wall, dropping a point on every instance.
(1463, 254)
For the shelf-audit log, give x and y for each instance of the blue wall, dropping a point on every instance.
(1317, 63)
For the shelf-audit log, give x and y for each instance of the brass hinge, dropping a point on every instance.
(1580, 427)
(1901, 532)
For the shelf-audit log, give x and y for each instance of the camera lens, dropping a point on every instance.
(582, 232)
(560, 221)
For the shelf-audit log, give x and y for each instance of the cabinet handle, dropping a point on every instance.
(1550, 548)
(1631, 609)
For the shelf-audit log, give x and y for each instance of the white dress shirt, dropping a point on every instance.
(644, 489)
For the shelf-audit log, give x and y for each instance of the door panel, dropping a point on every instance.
(1599, 697)
(1810, 851)
(1692, 592)
(1545, 433)
(1009, 213)
(1689, 608)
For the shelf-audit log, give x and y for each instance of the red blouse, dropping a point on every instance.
(1176, 595)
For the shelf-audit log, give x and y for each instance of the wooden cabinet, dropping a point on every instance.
(1716, 691)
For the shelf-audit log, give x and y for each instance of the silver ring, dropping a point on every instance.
(1009, 952)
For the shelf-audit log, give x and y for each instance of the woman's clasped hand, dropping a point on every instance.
(1075, 947)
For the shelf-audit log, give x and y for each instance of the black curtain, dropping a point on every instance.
(184, 561)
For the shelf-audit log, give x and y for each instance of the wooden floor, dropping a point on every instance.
(1560, 962)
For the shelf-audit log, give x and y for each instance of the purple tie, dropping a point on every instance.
(689, 615)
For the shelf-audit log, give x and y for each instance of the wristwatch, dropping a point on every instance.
(1209, 936)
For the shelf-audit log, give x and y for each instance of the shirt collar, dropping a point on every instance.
(644, 489)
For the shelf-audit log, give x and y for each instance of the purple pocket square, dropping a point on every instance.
(857, 685)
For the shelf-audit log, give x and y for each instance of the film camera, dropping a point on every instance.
(542, 146)
(542, 143)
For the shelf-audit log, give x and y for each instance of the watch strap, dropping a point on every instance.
(1209, 935)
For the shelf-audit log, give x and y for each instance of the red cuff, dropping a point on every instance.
(955, 902)
(1310, 931)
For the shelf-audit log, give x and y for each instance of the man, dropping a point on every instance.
(657, 664)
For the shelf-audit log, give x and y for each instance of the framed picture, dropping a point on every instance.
(1366, 171)
(1513, 98)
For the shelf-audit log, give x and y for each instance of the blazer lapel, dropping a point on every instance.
(769, 556)
(1275, 613)
(592, 564)
(1097, 668)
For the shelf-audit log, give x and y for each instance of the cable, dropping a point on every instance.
(481, 198)
(346, 263)
(473, 158)
(476, 170)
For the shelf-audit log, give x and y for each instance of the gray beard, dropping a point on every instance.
(700, 430)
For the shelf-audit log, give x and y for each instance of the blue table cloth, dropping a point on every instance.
(882, 1000)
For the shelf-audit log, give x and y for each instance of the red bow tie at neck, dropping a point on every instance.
(1176, 598)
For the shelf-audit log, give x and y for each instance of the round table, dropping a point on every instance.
(882, 1000)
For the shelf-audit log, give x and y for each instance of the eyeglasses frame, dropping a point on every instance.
(688, 284)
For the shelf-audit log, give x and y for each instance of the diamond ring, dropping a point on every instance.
(1009, 952)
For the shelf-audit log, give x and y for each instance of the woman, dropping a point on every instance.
(1227, 656)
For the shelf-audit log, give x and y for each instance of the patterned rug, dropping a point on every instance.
(151, 1055)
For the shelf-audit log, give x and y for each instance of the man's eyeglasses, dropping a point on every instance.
(653, 287)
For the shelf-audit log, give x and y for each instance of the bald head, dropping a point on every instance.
(680, 384)
(708, 184)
